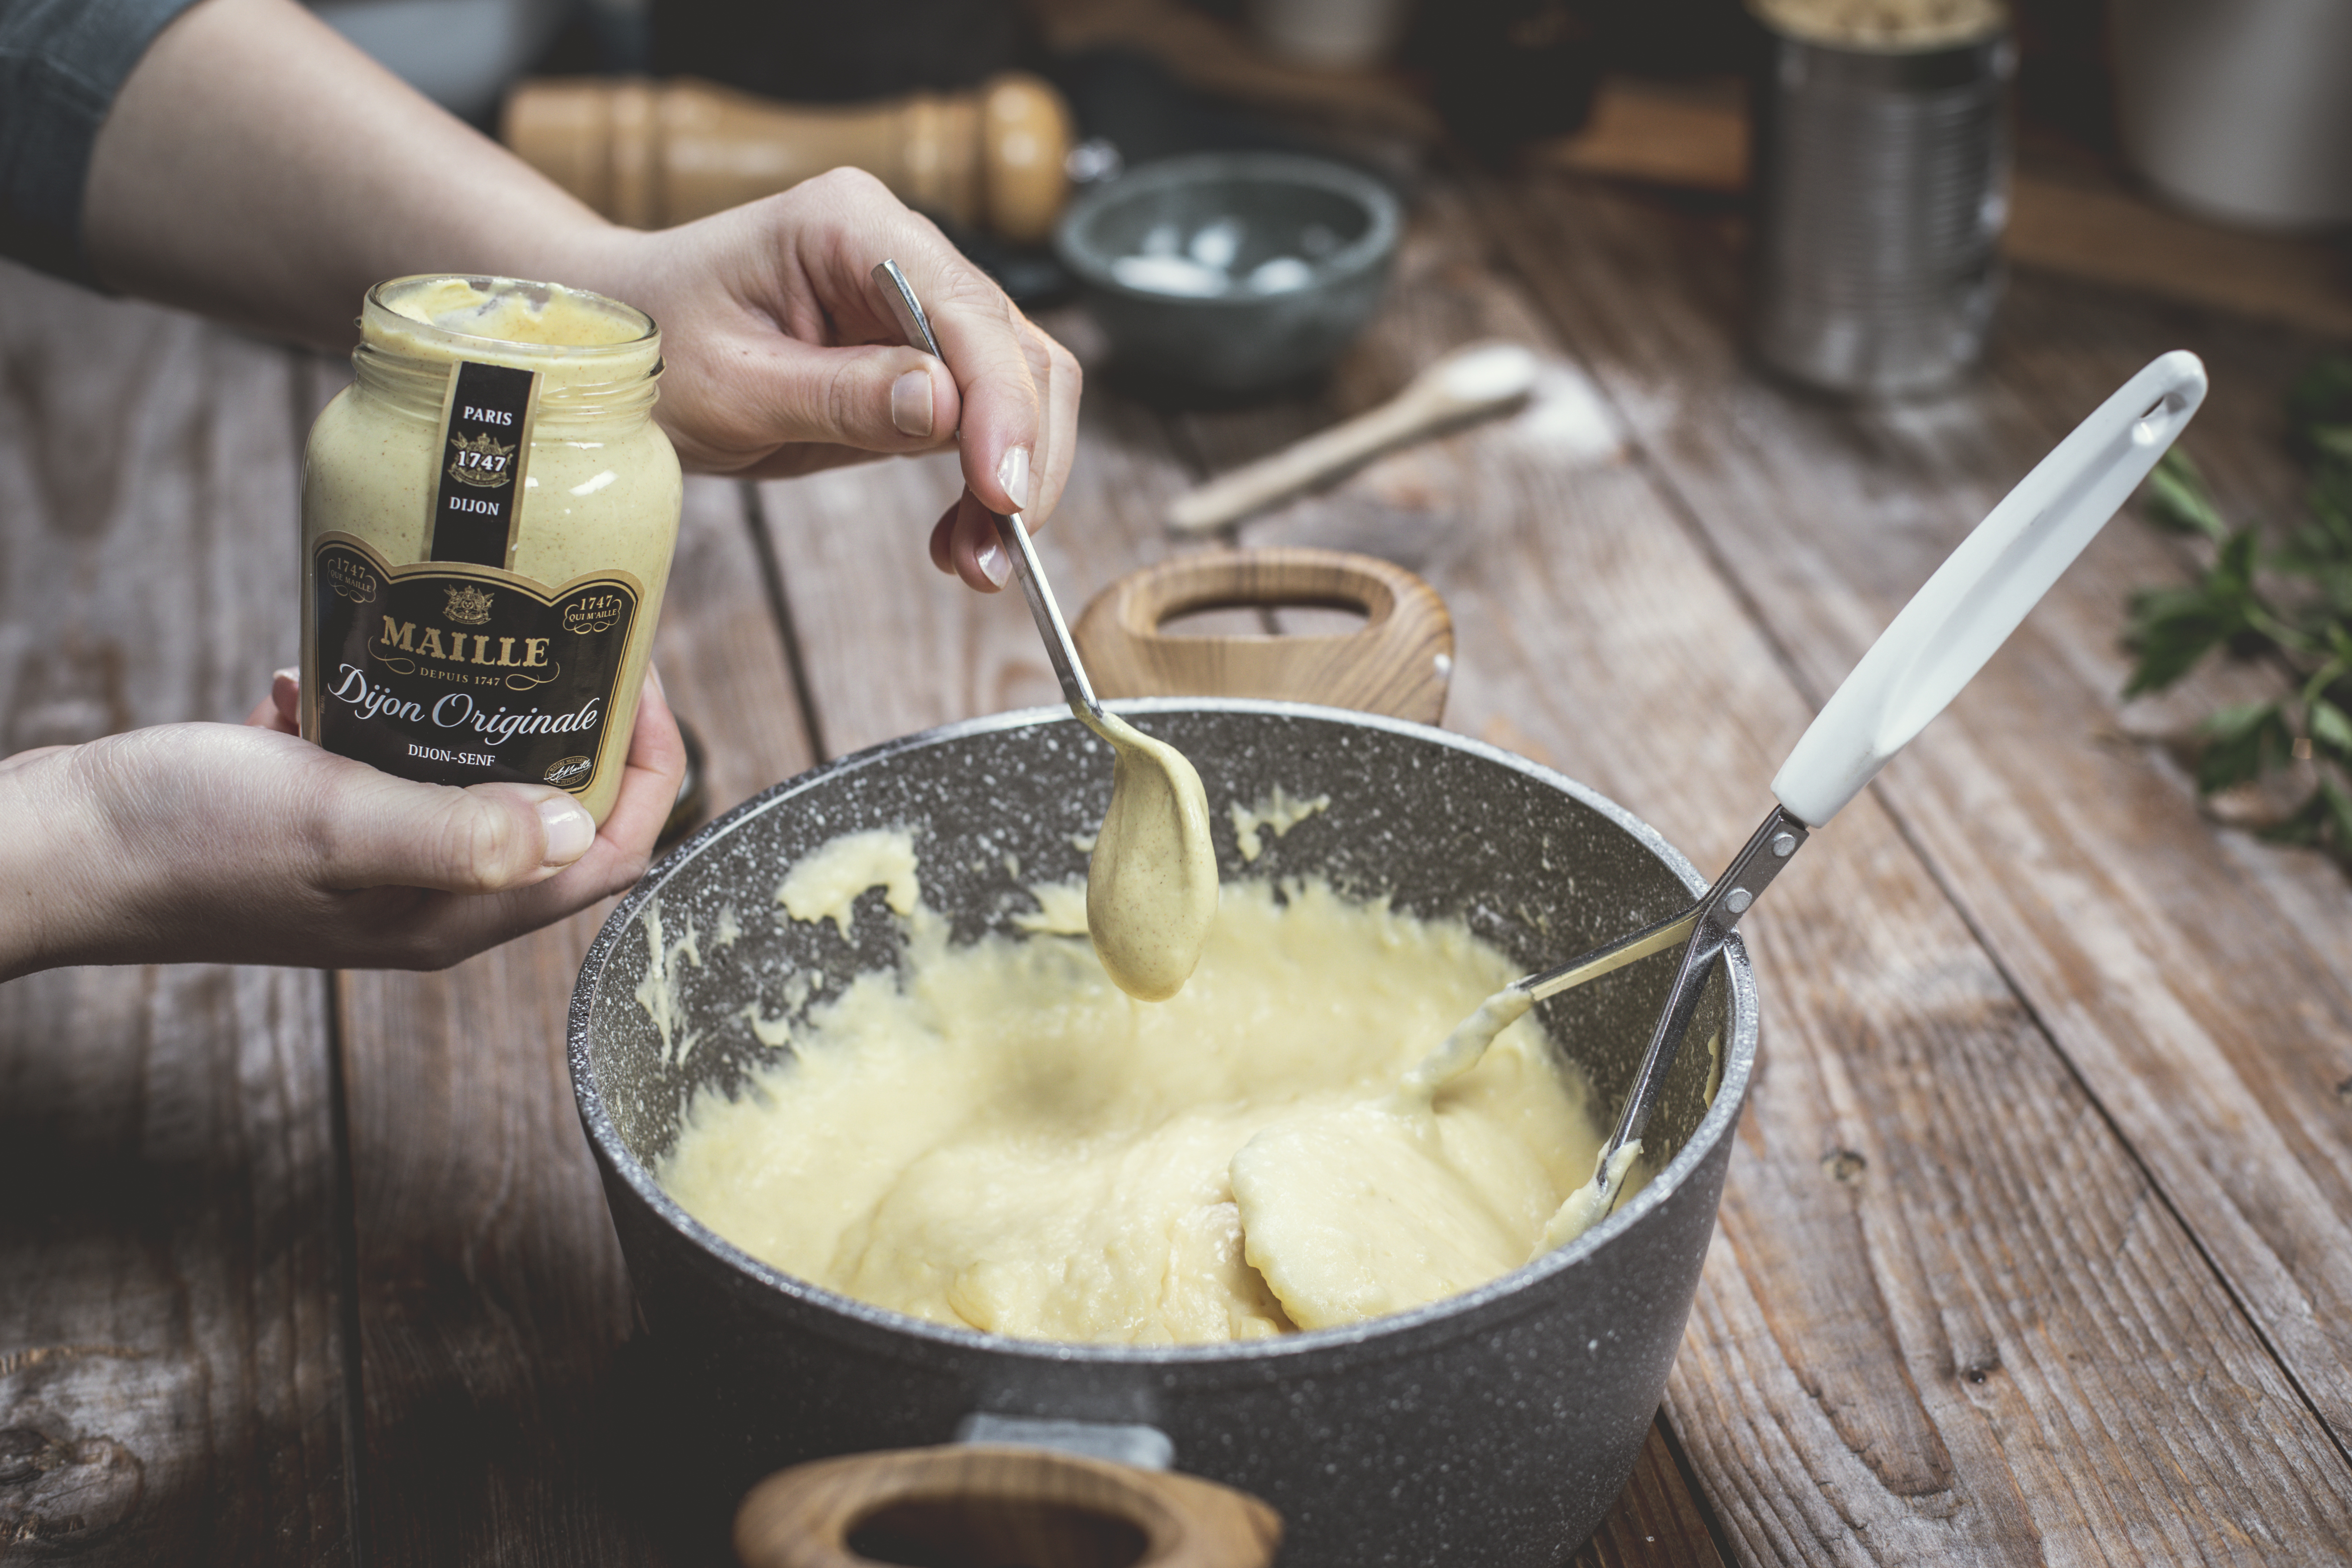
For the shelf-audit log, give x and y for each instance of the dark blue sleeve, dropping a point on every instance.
(61, 63)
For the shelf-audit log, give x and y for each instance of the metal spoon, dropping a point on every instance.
(1935, 647)
(1151, 884)
(1301, 1225)
(1078, 691)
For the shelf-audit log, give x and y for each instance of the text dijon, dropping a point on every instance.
(458, 710)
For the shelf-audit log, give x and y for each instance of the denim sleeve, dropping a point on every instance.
(61, 63)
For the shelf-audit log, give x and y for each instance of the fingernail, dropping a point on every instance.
(994, 564)
(569, 831)
(910, 403)
(1013, 473)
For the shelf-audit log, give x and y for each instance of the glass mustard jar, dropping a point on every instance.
(489, 513)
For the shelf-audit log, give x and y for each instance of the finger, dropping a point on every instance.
(649, 786)
(650, 782)
(373, 830)
(1050, 454)
(656, 748)
(1064, 381)
(980, 335)
(975, 549)
(943, 538)
(281, 711)
(874, 398)
(286, 691)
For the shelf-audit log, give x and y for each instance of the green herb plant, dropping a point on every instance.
(2283, 594)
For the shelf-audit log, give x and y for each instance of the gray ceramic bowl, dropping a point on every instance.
(1329, 230)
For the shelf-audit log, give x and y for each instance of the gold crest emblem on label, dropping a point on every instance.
(469, 605)
(482, 461)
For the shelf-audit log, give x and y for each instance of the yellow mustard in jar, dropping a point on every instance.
(489, 513)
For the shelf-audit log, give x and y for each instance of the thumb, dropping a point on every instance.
(874, 398)
(381, 831)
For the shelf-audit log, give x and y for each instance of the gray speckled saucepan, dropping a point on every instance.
(1492, 1428)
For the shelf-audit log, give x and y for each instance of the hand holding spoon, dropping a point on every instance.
(1302, 1238)
(1152, 885)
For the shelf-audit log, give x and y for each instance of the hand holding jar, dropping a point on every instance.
(226, 843)
(782, 361)
(239, 158)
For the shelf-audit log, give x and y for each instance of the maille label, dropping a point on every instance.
(455, 674)
(485, 440)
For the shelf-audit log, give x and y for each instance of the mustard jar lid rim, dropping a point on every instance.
(382, 296)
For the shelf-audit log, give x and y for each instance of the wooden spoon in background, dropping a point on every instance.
(1471, 383)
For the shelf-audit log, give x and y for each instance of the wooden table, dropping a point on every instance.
(2038, 1241)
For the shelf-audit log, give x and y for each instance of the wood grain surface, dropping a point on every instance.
(171, 1359)
(2154, 1155)
(973, 1506)
(2035, 1247)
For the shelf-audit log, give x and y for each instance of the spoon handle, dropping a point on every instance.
(1060, 651)
(898, 294)
(1232, 496)
(1919, 663)
(1708, 929)
(1967, 610)
(1447, 393)
(1655, 938)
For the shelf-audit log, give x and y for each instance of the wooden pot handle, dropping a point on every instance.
(970, 1506)
(1398, 663)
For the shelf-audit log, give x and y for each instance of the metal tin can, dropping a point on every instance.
(1882, 187)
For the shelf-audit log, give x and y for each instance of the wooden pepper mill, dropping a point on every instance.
(650, 154)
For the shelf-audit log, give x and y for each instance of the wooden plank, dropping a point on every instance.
(2070, 216)
(171, 1351)
(2019, 1272)
(1657, 1522)
(492, 1299)
(721, 656)
(1899, 1346)
(2106, 234)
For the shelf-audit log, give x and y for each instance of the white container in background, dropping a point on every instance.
(2239, 110)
